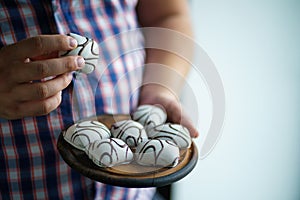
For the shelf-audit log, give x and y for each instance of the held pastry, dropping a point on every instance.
(175, 132)
(83, 133)
(149, 116)
(88, 49)
(131, 132)
(163, 153)
(109, 152)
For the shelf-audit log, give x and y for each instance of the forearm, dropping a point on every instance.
(169, 51)
(167, 67)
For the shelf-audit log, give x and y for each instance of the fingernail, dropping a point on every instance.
(72, 42)
(80, 62)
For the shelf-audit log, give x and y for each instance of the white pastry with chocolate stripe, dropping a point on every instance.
(163, 153)
(149, 116)
(83, 133)
(88, 49)
(175, 132)
(131, 132)
(109, 152)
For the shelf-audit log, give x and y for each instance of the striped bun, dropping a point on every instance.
(83, 133)
(88, 49)
(109, 152)
(131, 132)
(149, 116)
(175, 132)
(161, 153)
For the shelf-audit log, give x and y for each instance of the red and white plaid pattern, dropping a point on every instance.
(30, 165)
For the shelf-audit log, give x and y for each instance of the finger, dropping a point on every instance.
(38, 70)
(38, 108)
(186, 122)
(46, 56)
(40, 45)
(176, 115)
(42, 90)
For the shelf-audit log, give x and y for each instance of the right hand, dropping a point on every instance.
(24, 64)
(155, 94)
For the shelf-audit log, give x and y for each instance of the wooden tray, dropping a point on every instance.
(129, 175)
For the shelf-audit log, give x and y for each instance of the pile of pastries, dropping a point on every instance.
(145, 139)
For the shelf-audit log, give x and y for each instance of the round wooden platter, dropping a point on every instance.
(127, 175)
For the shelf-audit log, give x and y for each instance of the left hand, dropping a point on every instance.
(160, 96)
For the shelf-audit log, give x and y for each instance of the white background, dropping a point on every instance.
(255, 45)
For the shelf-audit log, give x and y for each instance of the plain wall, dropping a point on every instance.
(255, 46)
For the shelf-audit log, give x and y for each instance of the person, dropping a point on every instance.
(36, 87)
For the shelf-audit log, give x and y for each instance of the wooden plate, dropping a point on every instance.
(128, 175)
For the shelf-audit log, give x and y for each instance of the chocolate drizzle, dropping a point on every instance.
(158, 153)
(97, 128)
(92, 48)
(109, 152)
(175, 132)
(131, 132)
(90, 55)
(150, 148)
(81, 134)
(149, 115)
(89, 59)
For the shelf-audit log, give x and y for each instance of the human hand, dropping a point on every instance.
(24, 64)
(157, 95)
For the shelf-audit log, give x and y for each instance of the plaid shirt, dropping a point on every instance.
(30, 165)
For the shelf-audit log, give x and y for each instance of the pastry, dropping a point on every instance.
(109, 152)
(149, 116)
(83, 133)
(131, 132)
(163, 153)
(88, 49)
(175, 132)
